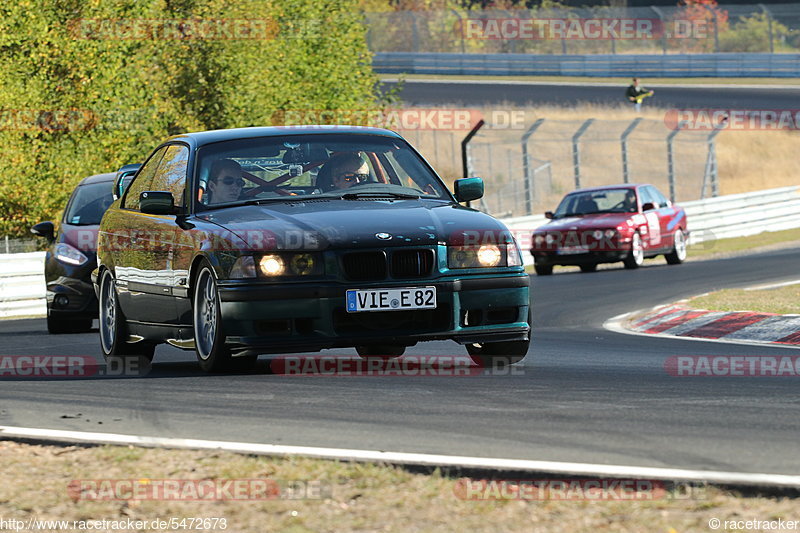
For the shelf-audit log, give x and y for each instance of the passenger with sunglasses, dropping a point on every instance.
(225, 181)
(343, 171)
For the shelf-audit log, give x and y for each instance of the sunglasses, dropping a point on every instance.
(230, 180)
(352, 177)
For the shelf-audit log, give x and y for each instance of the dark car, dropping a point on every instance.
(625, 223)
(242, 242)
(70, 259)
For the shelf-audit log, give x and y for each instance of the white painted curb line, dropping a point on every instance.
(555, 467)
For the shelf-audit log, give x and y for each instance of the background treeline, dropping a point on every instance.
(79, 96)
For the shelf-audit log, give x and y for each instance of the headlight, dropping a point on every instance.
(244, 267)
(271, 265)
(69, 255)
(597, 234)
(489, 255)
(291, 264)
(538, 240)
(610, 233)
(550, 239)
(483, 256)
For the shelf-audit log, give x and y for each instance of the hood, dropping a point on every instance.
(84, 238)
(588, 222)
(324, 223)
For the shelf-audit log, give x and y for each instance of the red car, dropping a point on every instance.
(625, 223)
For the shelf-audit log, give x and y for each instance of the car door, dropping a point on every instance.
(147, 274)
(123, 235)
(654, 230)
(665, 213)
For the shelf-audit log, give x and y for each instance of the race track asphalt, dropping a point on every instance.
(498, 93)
(584, 394)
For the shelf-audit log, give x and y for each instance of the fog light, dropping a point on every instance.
(62, 300)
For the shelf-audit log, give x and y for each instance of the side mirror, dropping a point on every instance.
(548, 215)
(467, 189)
(157, 203)
(45, 229)
(649, 206)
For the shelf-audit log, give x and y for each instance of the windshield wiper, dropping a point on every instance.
(381, 194)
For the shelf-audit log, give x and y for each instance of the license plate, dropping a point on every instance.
(572, 250)
(399, 299)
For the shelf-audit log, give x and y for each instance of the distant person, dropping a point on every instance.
(636, 93)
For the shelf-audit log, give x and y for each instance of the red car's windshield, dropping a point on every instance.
(599, 201)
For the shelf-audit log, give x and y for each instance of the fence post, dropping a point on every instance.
(576, 151)
(716, 28)
(663, 28)
(624, 143)
(414, 32)
(465, 146)
(526, 167)
(460, 28)
(769, 27)
(671, 162)
(710, 174)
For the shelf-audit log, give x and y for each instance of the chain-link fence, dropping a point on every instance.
(595, 30)
(529, 170)
(17, 246)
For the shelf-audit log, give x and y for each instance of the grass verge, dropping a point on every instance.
(720, 247)
(780, 300)
(362, 497)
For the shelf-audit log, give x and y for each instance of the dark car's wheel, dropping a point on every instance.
(543, 270)
(380, 351)
(678, 253)
(68, 325)
(589, 267)
(209, 337)
(635, 256)
(114, 328)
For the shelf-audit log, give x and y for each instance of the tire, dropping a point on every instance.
(635, 256)
(543, 270)
(209, 337)
(678, 253)
(114, 328)
(380, 351)
(590, 267)
(58, 326)
(500, 354)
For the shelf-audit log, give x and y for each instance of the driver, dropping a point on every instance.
(346, 170)
(225, 181)
(630, 201)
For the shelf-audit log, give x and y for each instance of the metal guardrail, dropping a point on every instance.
(22, 286)
(753, 65)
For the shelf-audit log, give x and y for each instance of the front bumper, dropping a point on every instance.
(260, 318)
(551, 258)
(81, 301)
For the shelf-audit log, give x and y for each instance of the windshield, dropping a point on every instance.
(89, 203)
(294, 167)
(600, 201)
